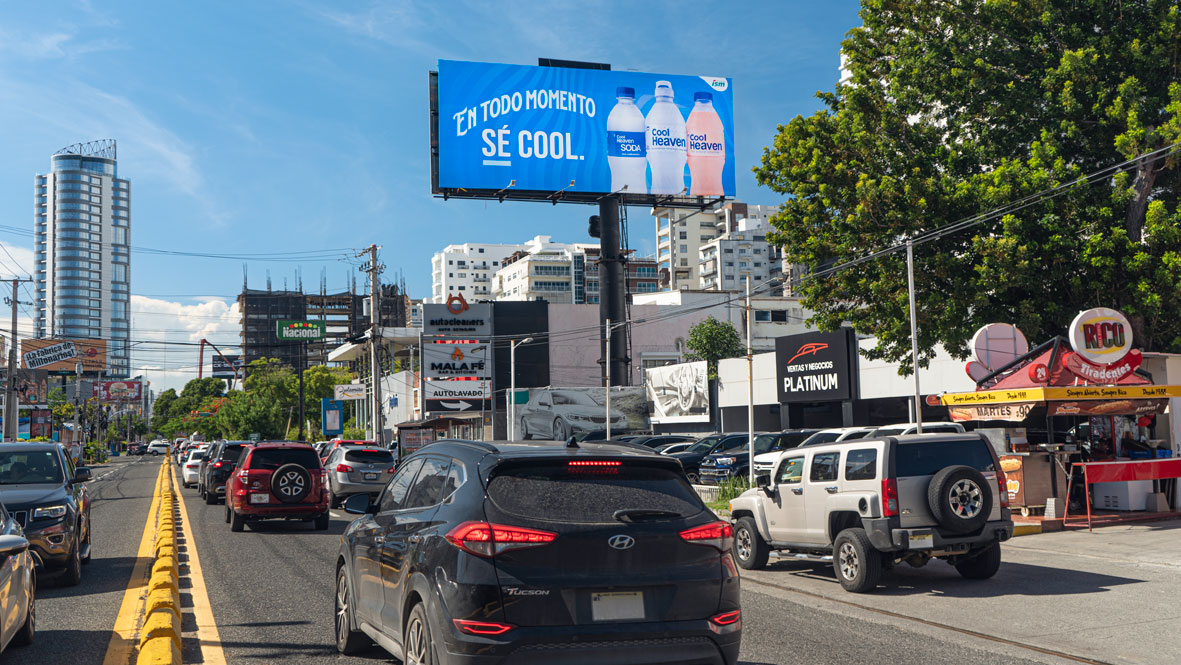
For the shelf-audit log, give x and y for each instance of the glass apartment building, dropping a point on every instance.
(82, 225)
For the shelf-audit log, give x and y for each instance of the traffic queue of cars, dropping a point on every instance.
(44, 530)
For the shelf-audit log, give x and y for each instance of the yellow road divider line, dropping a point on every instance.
(121, 648)
(207, 634)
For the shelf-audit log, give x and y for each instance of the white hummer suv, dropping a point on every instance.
(869, 504)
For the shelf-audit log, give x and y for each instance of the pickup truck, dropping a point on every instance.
(868, 505)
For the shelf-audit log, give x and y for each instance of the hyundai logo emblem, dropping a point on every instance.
(621, 542)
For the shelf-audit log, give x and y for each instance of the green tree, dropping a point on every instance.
(61, 409)
(956, 108)
(162, 411)
(711, 341)
(319, 382)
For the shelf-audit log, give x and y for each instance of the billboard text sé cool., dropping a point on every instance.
(550, 129)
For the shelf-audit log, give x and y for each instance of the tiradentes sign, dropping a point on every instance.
(816, 367)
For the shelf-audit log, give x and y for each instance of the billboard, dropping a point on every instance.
(349, 391)
(224, 366)
(456, 396)
(117, 391)
(457, 318)
(679, 393)
(816, 367)
(557, 413)
(516, 131)
(300, 331)
(61, 355)
(453, 359)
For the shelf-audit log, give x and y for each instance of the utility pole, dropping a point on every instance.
(11, 412)
(750, 392)
(914, 337)
(374, 271)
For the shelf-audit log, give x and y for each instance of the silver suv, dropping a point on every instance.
(866, 505)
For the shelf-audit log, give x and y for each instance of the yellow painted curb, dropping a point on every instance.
(165, 564)
(163, 598)
(1026, 529)
(158, 651)
(161, 623)
(164, 580)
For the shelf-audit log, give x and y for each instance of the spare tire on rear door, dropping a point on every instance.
(960, 499)
(291, 483)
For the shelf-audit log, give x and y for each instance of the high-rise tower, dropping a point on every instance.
(82, 226)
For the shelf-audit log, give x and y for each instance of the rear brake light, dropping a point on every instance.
(192, 466)
(217, 465)
(481, 627)
(595, 462)
(889, 497)
(716, 534)
(343, 468)
(1003, 483)
(484, 539)
(727, 618)
(608, 467)
(391, 470)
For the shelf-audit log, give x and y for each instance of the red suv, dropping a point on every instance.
(277, 480)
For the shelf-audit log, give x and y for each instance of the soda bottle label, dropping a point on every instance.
(700, 145)
(626, 144)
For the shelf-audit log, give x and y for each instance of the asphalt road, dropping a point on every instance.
(74, 623)
(270, 591)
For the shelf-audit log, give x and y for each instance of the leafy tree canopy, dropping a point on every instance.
(711, 341)
(959, 107)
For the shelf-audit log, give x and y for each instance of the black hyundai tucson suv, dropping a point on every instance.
(507, 553)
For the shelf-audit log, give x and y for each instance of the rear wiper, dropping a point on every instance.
(634, 514)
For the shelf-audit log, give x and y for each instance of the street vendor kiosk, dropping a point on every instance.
(1069, 402)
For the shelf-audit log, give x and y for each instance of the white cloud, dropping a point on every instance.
(171, 365)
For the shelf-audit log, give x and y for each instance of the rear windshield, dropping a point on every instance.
(369, 456)
(556, 492)
(231, 453)
(926, 458)
(273, 458)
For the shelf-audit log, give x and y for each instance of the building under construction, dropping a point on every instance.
(345, 315)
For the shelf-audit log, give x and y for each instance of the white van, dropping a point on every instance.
(158, 448)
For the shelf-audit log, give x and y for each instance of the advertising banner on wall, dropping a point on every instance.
(448, 359)
(457, 319)
(61, 355)
(117, 391)
(557, 413)
(816, 367)
(348, 391)
(679, 393)
(517, 129)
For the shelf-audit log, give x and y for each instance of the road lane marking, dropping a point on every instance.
(207, 635)
(123, 637)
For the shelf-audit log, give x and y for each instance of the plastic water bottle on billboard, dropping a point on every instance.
(626, 148)
(665, 128)
(707, 147)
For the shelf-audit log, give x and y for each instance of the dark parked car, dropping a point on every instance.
(45, 493)
(216, 469)
(692, 456)
(137, 448)
(277, 480)
(721, 466)
(657, 440)
(538, 553)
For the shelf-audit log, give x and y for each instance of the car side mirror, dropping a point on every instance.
(764, 484)
(81, 474)
(13, 544)
(357, 504)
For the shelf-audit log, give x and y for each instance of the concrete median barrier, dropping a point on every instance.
(160, 632)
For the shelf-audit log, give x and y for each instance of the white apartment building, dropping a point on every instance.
(726, 261)
(81, 230)
(467, 269)
(774, 316)
(551, 271)
(684, 234)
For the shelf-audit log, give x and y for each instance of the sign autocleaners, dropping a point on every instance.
(816, 367)
(457, 318)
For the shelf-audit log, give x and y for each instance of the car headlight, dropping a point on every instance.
(49, 512)
(578, 417)
(725, 461)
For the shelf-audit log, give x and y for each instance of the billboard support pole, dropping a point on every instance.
(750, 391)
(612, 306)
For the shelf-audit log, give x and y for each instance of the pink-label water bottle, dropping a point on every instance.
(707, 147)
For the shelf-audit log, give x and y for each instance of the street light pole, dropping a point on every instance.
(512, 396)
(607, 414)
(750, 392)
(914, 336)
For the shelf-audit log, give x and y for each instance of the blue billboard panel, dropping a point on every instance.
(553, 129)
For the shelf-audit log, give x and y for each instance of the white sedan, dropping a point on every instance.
(191, 468)
(17, 585)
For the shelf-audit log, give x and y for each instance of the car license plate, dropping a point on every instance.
(922, 541)
(617, 605)
(260, 498)
(371, 476)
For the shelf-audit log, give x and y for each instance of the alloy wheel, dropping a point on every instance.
(743, 542)
(848, 560)
(342, 607)
(416, 646)
(966, 498)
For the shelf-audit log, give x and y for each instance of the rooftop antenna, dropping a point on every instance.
(244, 287)
(268, 280)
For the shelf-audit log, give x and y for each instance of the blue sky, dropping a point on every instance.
(266, 126)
